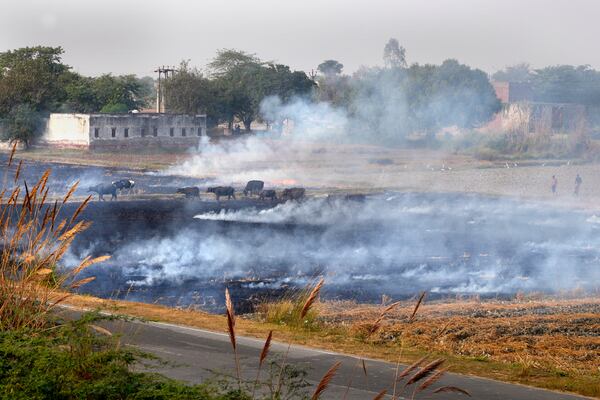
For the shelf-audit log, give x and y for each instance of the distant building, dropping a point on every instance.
(512, 92)
(520, 113)
(133, 130)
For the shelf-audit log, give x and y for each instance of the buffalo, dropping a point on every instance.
(189, 192)
(124, 184)
(222, 191)
(254, 187)
(103, 189)
(293, 194)
(268, 194)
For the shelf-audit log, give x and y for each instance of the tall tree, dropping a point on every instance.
(330, 67)
(394, 55)
(243, 81)
(31, 75)
(23, 124)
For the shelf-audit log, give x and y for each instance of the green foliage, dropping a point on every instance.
(34, 79)
(398, 102)
(567, 84)
(235, 88)
(286, 311)
(115, 108)
(32, 75)
(23, 124)
(71, 362)
(557, 84)
(330, 67)
(107, 93)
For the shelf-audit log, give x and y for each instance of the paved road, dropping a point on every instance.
(194, 353)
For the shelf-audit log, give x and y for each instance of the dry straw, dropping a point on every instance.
(452, 389)
(263, 356)
(311, 298)
(31, 247)
(231, 329)
(380, 395)
(325, 381)
(425, 371)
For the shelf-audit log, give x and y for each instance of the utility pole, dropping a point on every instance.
(160, 95)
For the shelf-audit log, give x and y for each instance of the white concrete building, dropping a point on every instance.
(133, 130)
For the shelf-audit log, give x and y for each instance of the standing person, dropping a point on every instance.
(554, 184)
(578, 182)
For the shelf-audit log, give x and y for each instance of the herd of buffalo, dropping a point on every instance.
(253, 188)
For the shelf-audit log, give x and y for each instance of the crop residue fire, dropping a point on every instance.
(393, 244)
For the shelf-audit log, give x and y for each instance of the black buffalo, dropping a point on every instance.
(124, 184)
(293, 194)
(189, 192)
(222, 191)
(103, 189)
(268, 194)
(254, 187)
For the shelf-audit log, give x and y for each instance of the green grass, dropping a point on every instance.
(70, 361)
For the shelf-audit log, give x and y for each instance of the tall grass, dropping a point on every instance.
(33, 239)
(295, 308)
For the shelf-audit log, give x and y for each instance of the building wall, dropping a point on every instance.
(510, 92)
(108, 131)
(71, 130)
(541, 118)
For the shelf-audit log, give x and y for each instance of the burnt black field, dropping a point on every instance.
(185, 252)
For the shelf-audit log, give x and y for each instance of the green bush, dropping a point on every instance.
(72, 362)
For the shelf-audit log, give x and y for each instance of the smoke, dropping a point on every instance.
(376, 111)
(279, 157)
(395, 244)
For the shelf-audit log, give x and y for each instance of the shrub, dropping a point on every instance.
(70, 361)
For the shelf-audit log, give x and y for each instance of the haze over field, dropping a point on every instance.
(135, 36)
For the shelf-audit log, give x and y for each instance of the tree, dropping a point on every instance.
(515, 73)
(330, 67)
(333, 86)
(394, 103)
(243, 81)
(32, 75)
(394, 55)
(107, 92)
(188, 91)
(567, 84)
(23, 123)
(228, 60)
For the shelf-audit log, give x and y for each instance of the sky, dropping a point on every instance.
(131, 36)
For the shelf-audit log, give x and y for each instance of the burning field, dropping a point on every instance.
(386, 244)
(395, 244)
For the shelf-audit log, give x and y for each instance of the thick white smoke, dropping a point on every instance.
(394, 244)
(279, 156)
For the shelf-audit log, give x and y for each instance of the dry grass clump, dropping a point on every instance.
(296, 309)
(33, 239)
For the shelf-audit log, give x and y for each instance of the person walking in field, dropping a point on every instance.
(554, 184)
(578, 182)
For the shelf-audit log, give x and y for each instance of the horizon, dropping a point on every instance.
(131, 38)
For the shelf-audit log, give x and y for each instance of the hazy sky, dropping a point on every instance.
(127, 36)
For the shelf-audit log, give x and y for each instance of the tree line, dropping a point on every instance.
(390, 102)
(34, 81)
